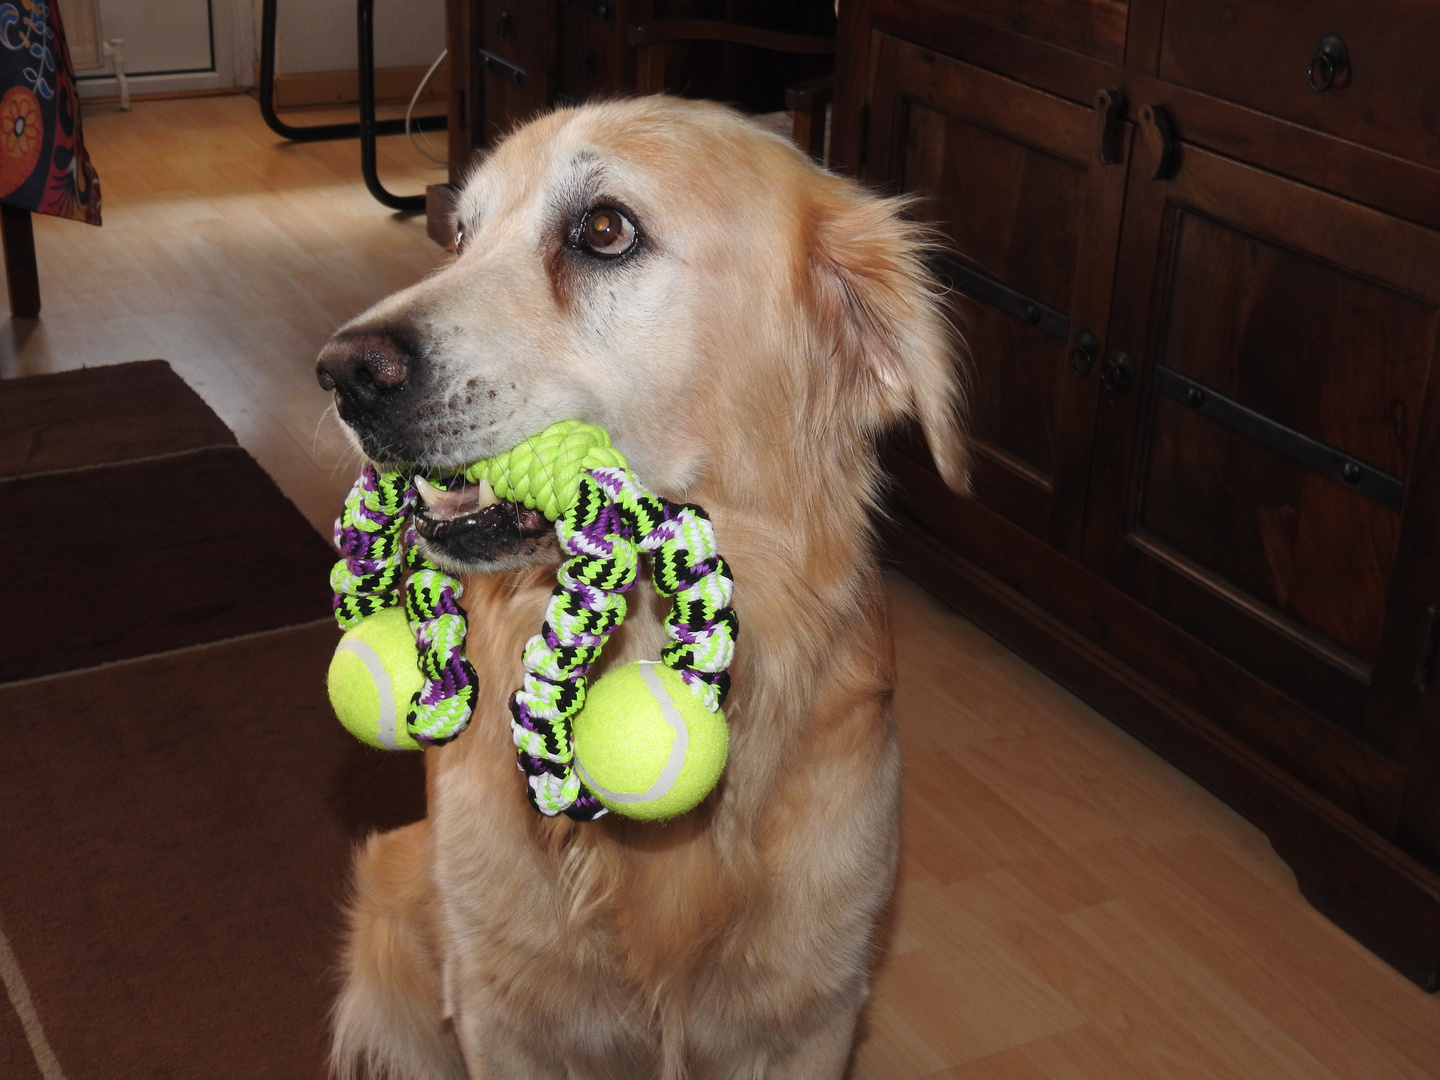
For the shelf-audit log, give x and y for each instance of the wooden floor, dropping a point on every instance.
(233, 255)
(1071, 908)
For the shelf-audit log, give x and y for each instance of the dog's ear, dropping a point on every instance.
(882, 317)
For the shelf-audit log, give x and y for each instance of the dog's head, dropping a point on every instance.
(667, 270)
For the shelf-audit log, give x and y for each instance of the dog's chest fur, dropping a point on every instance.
(622, 942)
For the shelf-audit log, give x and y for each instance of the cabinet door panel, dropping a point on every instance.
(1012, 177)
(1299, 543)
(514, 77)
(1316, 322)
(589, 51)
(1012, 209)
(1314, 346)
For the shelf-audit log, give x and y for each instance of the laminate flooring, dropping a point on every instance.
(1070, 906)
(232, 254)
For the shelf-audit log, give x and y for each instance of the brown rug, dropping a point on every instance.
(177, 803)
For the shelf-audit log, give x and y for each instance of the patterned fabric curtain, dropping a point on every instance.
(43, 163)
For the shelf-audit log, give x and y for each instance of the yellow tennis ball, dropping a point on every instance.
(373, 676)
(645, 745)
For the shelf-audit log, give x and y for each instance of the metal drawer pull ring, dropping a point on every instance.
(1331, 58)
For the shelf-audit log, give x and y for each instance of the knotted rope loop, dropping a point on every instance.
(367, 533)
(613, 519)
(377, 548)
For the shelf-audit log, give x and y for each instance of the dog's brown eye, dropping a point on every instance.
(607, 232)
(457, 245)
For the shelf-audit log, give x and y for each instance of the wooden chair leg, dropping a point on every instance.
(18, 237)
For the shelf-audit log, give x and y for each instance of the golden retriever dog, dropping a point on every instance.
(745, 325)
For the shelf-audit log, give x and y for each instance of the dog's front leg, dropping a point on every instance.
(495, 1052)
(823, 1054)
(388, 1016)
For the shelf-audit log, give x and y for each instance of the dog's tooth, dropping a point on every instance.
(430, 495)
(485, 494)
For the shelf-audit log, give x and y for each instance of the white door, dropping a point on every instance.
(168, 45)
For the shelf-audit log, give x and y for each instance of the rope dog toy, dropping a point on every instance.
(648, 718)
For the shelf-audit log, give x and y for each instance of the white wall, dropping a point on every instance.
(160, 35)
(319, 35)
(314, 35)
(172, 36)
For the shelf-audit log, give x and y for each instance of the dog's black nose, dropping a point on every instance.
(364, 367)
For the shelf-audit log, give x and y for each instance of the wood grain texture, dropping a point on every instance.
(1326, 315)
(1304, 153)
(1096, 28)
(1073, 908)
(1336, 764)
(521, 34)
(1012, 179)
(1258, 54)
(1317, 308)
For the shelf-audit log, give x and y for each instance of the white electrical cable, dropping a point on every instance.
(427, 150)
(114, 51)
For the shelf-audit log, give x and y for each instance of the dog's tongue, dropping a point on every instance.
(442, 505)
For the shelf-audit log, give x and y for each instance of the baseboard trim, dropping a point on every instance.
(173, 95)
(393, 86)
(1362, 882)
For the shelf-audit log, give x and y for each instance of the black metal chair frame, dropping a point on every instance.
(367, 130)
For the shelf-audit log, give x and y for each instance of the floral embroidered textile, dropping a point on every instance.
(43, 163)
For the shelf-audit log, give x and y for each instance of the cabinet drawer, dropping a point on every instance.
(1091, 27)
(1262, 53)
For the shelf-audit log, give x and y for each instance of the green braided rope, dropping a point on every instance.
(432, 607)
(604, 519)
(368, 581)
(612, 520)
(377, 552)
(544, 472)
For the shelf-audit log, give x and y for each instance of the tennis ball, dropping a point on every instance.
(373, 676)
(645, 745)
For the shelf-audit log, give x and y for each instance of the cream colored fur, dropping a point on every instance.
(777, 321)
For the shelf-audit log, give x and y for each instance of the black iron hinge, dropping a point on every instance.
(502, 68)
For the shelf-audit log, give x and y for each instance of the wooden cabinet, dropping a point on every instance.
(1198, 259)
(1261, 470)
(512, 59)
